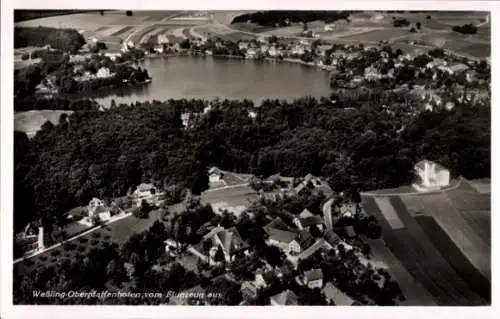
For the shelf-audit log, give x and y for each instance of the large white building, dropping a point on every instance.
(432, 175)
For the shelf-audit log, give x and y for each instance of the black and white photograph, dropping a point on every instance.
(250, 157)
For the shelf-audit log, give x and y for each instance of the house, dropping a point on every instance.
(456, 68)
(242, 45)
(285, 298)
(330, 27)
(97, 208)
(313, 278)
(162, 39)
(113, 55)
(332, 238)
(305, 213)
(251, 53)
(285, 240)
(436, 63)
(305, 223)
(145, 190)
(104, 73)
(215, 177)
(276, 223)
(432, 175)
(336, 296)
(348, 209)
(248, 290)
(171, 246)
(228, 240)
(264, 279)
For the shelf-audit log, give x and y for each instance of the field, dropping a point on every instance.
(31, 121)
(440, 251)
(122, 31)
(476, 281)
(232, 198)
(378, 35)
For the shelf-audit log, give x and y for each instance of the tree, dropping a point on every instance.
(128, 13)
(143, 211)
(428, 17)
(200, 180)
(418, 25)
(412, 30)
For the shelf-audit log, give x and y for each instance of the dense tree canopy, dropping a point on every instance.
(280, 17)
(62, 39)
(103, 153)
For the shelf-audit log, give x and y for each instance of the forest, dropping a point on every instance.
(363, 141)
(61, 39)
(282, 18)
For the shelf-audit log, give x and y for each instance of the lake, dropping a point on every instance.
(210, 77)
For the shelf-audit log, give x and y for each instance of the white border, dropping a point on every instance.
(9, 311)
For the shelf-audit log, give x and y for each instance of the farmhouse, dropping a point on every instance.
(215, 177)
(313, 278)
(285, 298)
(432, 176)
(456, 68)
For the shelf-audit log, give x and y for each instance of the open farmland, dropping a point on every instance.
(438, 250)
(455, 227)
(378, 35)
(122, 31)
(413, 291)
(476, 281)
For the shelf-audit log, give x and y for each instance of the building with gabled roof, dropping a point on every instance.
(285, 298)
(276, 223)
(305, 213)
(313, 278)
(432, 176)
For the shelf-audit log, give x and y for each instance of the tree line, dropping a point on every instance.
(282, 17)
(356, 143)
(62, 39)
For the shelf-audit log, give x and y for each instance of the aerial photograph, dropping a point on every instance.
(255, 158)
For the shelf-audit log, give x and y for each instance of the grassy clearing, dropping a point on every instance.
(477, 50)
(31, 121)
(476, 281)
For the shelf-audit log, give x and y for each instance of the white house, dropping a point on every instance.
(113, 55)
(432, 175)
(97, 209)
(215, 176)
(145, 191)
(104, 73)
(313, 278)
(162, 39)
(285, 240)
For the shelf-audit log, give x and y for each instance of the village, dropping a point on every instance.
(319, 225)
